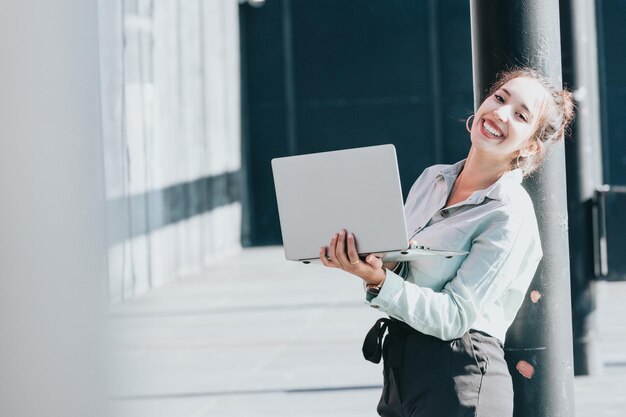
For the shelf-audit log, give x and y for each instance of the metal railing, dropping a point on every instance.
(609, 232)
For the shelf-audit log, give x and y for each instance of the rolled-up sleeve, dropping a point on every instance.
(506, 251)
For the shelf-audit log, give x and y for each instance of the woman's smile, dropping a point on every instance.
(490, 129)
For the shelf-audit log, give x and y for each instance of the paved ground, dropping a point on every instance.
(258, 336)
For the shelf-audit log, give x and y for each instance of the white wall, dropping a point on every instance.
(170, 105)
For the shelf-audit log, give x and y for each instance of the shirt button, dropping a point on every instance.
(444, 213)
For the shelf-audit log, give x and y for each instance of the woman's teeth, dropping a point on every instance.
(491, 130)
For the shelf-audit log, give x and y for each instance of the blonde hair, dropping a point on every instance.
(554, 118)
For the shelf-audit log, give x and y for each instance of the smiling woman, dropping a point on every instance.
(443, 355)
(548, 124)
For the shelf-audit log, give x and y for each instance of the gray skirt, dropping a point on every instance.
(426, 376)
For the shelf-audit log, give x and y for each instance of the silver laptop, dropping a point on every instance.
(354, 189)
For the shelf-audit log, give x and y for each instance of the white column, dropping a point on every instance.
(52, 249)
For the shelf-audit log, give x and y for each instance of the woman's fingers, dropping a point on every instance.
(332, 249)
(353, 255)
(340, 251)
(330, 254)
(326, 260)
(345, 255)
(374, 261)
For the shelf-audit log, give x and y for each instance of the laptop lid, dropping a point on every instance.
(354, 189)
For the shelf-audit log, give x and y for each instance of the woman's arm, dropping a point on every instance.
(506, 251)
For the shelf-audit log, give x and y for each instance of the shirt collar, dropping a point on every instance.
(500, 188)
(452, 170)
(496, 191)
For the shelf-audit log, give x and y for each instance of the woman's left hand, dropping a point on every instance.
(342, 254)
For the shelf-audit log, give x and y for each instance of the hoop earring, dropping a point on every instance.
(527, 163)
(467, 123)
(517, 162)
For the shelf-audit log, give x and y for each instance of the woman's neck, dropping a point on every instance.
(480, 171)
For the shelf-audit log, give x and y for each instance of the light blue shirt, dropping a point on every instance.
(483, 290)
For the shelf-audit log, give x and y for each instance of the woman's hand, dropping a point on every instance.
(342, 254)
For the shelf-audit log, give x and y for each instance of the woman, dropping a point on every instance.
(443, 354)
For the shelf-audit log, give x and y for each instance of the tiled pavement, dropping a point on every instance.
(259, 336)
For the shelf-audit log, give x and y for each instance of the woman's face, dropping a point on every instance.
(505, 121)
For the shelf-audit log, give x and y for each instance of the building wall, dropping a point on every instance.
(610, 15)
(326, 75)
(171, 124)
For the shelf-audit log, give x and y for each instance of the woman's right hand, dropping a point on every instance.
(342, 254)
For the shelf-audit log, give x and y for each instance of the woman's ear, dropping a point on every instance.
(532, 148)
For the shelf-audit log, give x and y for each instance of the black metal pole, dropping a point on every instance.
(539, 343)
(584, 160)
(290, 78)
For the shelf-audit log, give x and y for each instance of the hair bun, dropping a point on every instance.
(568, 111)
